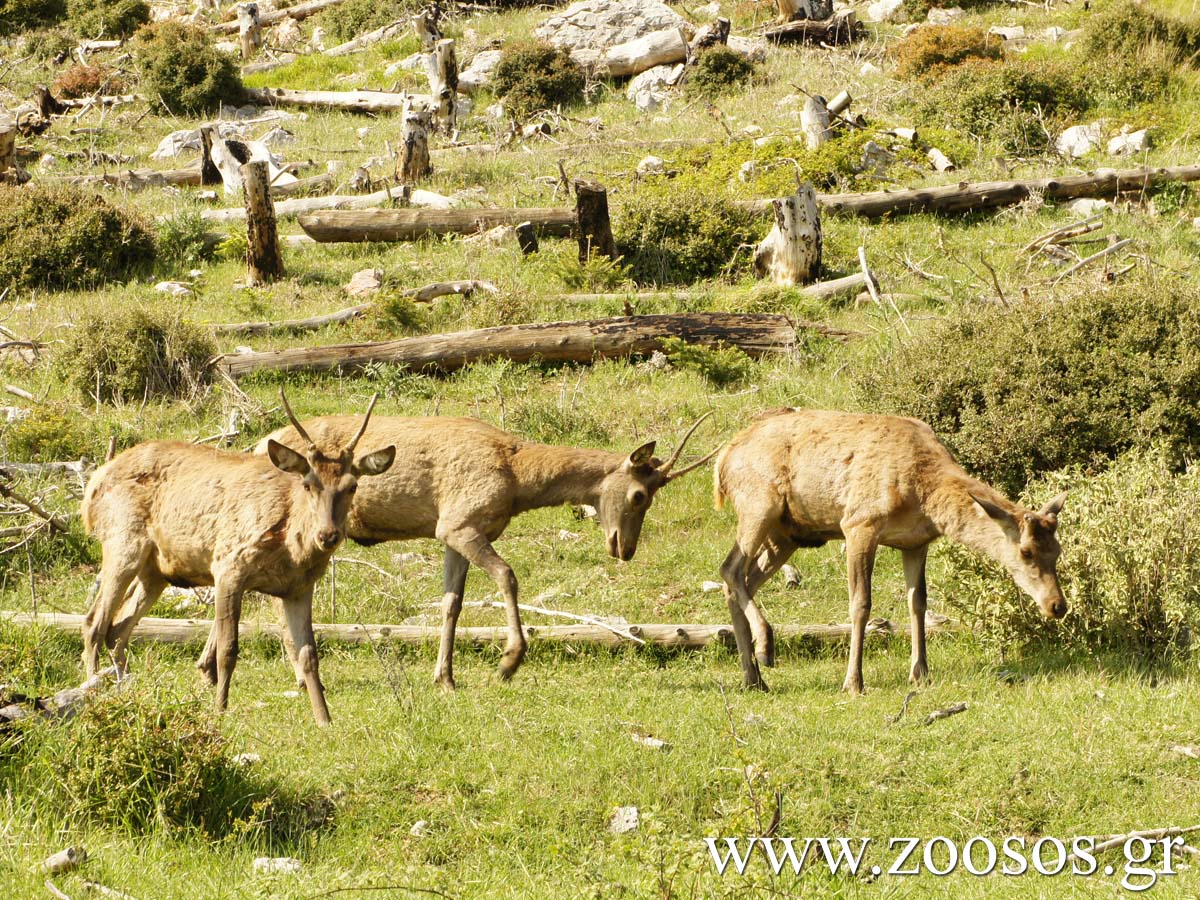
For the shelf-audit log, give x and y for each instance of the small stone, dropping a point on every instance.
(790, 576)
(419, 828)
(481, 70)
(364, 282)
(748, 170)
(751, 130)
(651, 165)
(1184, 750)
(945, 16)
(709, 586)
(318, 39)
(712, 10)
(624, 820)
(1009, 33)
(247, 759)
(1087, 206)
(1129, 142)
(885, 11)
(869, 68)
(277, 136)
(291, 695)
(564, 535)
(647, 740)
(277, 865)
(174, 288)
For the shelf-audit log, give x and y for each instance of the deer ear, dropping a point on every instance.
(643, 456)
(375, 463)
(999, 513)
(287, 460)
(1054, 506)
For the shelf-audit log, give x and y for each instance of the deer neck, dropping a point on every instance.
(956, 515)
(549, 475)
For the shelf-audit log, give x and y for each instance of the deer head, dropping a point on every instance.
(329, 482)
(1031, 550)
(626, 493)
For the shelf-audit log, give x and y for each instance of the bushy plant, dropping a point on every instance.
(17, 16)
(63, 237)
(1130, 568)
(532, 76)
(718, 366)
(180, 65)
(1119, 81)
(81, 81)
(130, 354)
(351, 18)
(56, 432)
(675, 235)
(1125, 28)
(182, 239)
(919, 9)
(93, 19)
(719, 70)
(928, 52)
(558, 420)
(1019, 392)
(1018, 103)
(48, 44)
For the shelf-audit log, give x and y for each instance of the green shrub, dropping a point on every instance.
(1017, 103)
(1130, 567)
(130, 354)
(48, 44)
(532, 76)
(182, 239)
(670, 234)
(1125, 29)
(918, 10)
(719, 70)
(1021, 392)
(64, 237)
(1120, 81)
(928, 52)
(92, 19)
(718, 366)
(17, 16)
(352, 18)
(557, 420)
(180, 65)
(57, 432)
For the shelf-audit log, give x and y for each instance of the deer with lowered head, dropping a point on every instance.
(167, 512)
(802, 477)
(462, 481)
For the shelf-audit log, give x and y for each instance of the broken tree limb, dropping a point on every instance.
(363, 41)
(64, 861)
(658, 48)
(715, 34)
(841, 28)
(297, 12)
(263, 256)
(350, 101)
(791, 253)
(10, 493)
(594, 228)
(334, 226)
(951, 710)
(302, 186)
(135, 180)
(1111, 248)
(574, 341)
(554, 613)
(690, 636)
(65, 704)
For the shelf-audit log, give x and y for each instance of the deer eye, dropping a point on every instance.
(1026, 554)
(639, 497)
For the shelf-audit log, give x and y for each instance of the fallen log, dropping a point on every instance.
(302, 186)
(351, 101)
(64, 704)
(413, 224)
(302, 205)
(297, 12)
(580, 341)
(363, 41)
(683, 636)
(841, 28)
(135, 180)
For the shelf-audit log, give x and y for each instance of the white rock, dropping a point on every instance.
(651, 165)
(624, 820)
(1054, 34)
(277, 865)
(709, 586)
(412, 63)
(495, 111)
(751, 130)
(600, 24)
(945, 16)
(754, 51)
(242, 350)
(885, 11)
(1126, 143)
(277, 136)
(247, 759)
(318, 39)
(647, 740)
(419, 828)
(480, 72)
(712, 10)
(1087, 206)
(790, 576)
(1009, 32)
(364, 282)
(1079, 140)
(47, 161)
(869, 68)
(748, 170)
(657, 78)
(229, 48)
(333, 166)
(1196, 223)
(564, 535)
(651, 101)
(174, 288)
(291, 695)
(287, 33)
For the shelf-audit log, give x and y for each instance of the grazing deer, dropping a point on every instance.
(801, 478)
(174, 513)
(463, 480)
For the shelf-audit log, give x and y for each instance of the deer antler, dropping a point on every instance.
(665, 468)
(694, 465)
(295, 422)
(367, 418)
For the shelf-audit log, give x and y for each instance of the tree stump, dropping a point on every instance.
(814, 121)
(229, 157)
(790, 10)
(209, 173)
(442, 68)
(425, 23)
(591, 214)
(413, 163)
(249, 29)
(10, 172)
(527, 238)
(263, 256)
(791, 253)
(47, 104)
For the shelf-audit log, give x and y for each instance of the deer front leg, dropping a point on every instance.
(914, 578)
(861, 543)
(297, 611)
(227, 612)
(478, 551)
(739, 600)
(289, 645)
(454, 580)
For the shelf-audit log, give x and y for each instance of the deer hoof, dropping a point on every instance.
(208, 669)
(853, 687)
(919, 674)
(445, 683)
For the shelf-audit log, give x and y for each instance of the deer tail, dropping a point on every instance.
(719, 494)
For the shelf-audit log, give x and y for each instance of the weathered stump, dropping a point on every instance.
(814, 121)
(209, 173)
(715, 34)
(263, 256)
(791, 253)
(594, 228)
(425, 23)
(10, 172)
(790, 10)
(249, 29)
(527, 238)
(413, 165)
(442, 69)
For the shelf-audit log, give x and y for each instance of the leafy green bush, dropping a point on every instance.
(352, 18)
(1125, 28)
(63, 237)
(532, 76)
(1021, 392)
(48, 44)
(1017, 103)
(56, 432)
(919, 9)
(93, 19)
(1119, 81)
(670, 234)
(182, 239)
(719, 70)
(17, 16)
(1130, 567)
(558, 420)
(928, 52)
(180, 65)
(718, 366)
(132, 353)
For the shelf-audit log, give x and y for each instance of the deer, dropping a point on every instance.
(168, 512)
(804, 477)
(463, 480)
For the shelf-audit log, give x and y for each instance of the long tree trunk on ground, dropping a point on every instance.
(414, 224)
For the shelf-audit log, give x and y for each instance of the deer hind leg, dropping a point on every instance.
(297, 611)
(479, 551)
(770, 561)
(146, 589)
(454, 580)
(739, 600)
(123, 560)
(861, 544)
(914, 577)
(227, 613)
